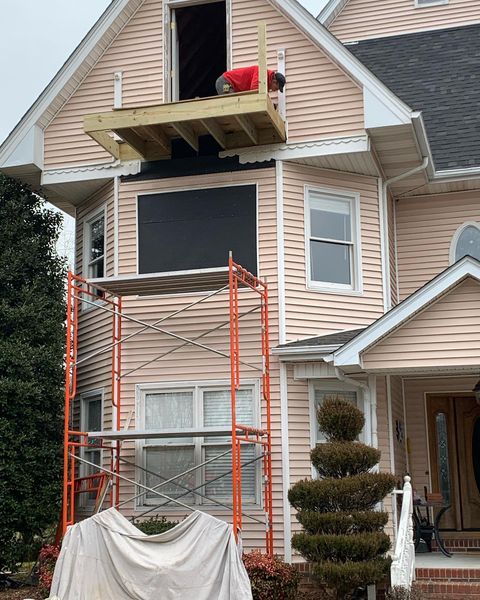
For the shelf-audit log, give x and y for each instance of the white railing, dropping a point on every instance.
(403, 565)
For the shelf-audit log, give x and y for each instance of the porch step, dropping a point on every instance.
(445, 574)
(455, 544)
(458, 590)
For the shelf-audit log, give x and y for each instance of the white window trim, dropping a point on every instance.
(456, 237)
(198, 387)
(356, 288)
(334, 386)
(93, 216)
(430, 3)
(85, 398)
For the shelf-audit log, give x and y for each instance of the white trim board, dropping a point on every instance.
(350, 353)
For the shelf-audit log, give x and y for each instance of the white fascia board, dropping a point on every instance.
(63, 76)
(456, 174)
(350, 353)
(304, 353)
(28, 150)
(90, 172)
(423, 142)
(309, 149)
(330, 12)
(321, 37)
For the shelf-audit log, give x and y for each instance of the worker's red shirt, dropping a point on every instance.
(246, 79)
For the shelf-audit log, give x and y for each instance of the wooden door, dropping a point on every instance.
(467, 413)
(442, 441)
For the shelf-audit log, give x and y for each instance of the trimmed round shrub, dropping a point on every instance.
(270, 577)
(342, 523)
(340, 420)
(341, 548)
(346, 577)
(341, 459)
(356, 493)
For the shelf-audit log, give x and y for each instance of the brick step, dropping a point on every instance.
(442, 575)
(459, 544)
(437, 590)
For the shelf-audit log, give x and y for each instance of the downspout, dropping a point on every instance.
(387, 302)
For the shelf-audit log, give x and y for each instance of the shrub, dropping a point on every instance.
(343, 535)
(46, 565)
(155, 525)
(401, 593)
(270, 577)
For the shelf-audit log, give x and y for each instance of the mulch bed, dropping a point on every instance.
(21, 594)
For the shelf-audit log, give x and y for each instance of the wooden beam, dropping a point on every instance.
(187, 133)
(214, 129)
(227, 105)
(134, 140)
(248, 127)
(262, 58)
(107, 142)
(157, 134)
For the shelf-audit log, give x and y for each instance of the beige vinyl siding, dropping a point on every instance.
(446, 334)
(310, 312)
(398, 424)
(384, 443)
(415, 393)
(392, 257)
(361, 19)
(425, 228)
(194, 364)
(321, 100)
(136, 52)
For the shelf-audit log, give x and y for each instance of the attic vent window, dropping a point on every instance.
(466, 242)
(427, 3)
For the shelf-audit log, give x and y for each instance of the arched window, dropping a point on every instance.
(466, 242)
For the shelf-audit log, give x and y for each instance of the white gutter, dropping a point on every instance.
(280, 254)
(287, 517)
(387, 299)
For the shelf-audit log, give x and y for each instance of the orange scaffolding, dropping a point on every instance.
(105, 482)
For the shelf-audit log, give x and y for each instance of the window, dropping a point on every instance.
(426, 3)
(333, 239)
(94, 249)
(91, 420)
(196, 229)
(466, 242)
(196, 406)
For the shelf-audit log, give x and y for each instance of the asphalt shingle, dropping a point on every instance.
(331, 339)
(437, 72)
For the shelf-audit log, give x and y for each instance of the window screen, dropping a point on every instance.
(196, 229)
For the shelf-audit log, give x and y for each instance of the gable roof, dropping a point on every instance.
(436, 72)
(71, 75)
(350, 354)
(331, 339)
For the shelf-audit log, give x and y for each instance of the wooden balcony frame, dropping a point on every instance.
(233, 120)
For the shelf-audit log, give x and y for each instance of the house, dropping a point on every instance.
(356, 200)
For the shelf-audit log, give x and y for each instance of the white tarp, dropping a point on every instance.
(106, 557)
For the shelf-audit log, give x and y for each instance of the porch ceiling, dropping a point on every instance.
(233, 120)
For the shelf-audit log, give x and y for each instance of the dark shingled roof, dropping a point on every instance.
(332, 339)
(437, 72)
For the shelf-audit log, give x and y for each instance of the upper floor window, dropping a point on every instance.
(425, 3)
(94, 249)
(192, 407)
(333, 240)
(466, 242)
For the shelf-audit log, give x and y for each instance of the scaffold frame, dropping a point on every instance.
(105, 482)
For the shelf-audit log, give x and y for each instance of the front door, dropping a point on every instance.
(454, 443)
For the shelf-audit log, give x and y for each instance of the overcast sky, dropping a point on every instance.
(36, 37)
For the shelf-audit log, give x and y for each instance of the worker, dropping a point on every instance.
(246, 79)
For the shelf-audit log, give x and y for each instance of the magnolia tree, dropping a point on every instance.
(32, 317)
(342, 532)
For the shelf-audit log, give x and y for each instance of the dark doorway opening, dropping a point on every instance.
(201, 44)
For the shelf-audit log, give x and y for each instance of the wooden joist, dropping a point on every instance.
(248, 127)
(186, 132)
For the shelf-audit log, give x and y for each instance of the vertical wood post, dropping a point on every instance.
(262, 58)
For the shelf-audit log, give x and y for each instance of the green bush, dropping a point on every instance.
(342, 459)
(270, 577)
(341, 548)
(341, 523)
(356, 493)
(340, 420)
(343, 535)
(155, 525)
